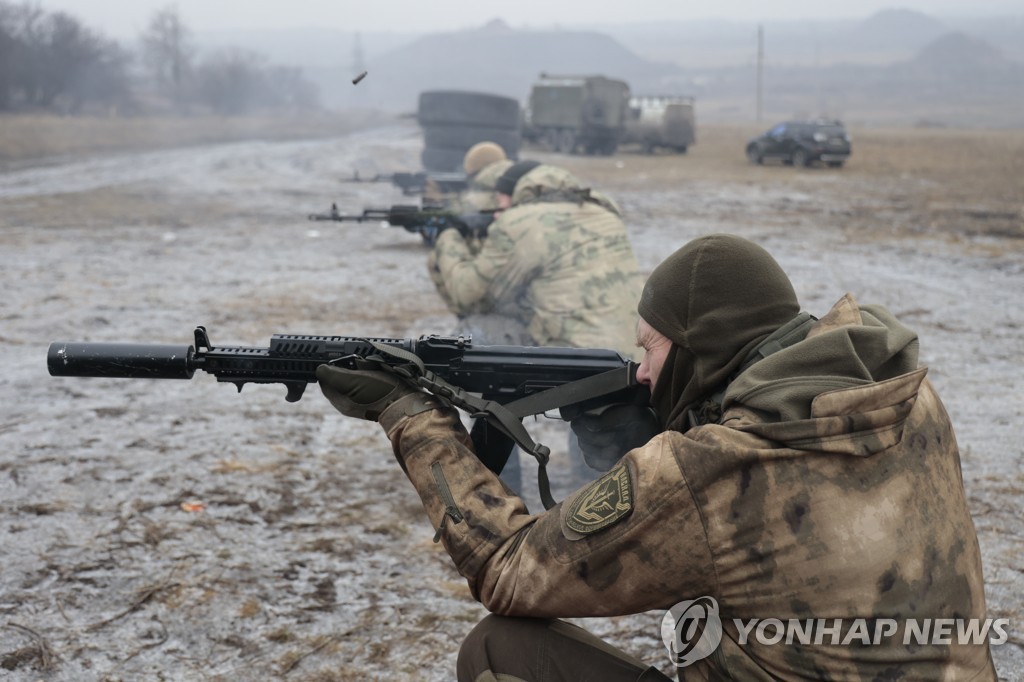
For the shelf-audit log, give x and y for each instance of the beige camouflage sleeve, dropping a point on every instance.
(449, 261)
(475, 283)
(631, 541)
(435, 276)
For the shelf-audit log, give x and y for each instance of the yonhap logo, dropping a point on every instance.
(692, 630)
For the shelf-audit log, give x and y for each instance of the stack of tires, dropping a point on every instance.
(455, 120)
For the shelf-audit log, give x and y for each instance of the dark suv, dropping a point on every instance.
(801, 143)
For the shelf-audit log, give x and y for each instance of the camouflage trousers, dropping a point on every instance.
(543, 650)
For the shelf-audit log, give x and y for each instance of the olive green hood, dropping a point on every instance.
(850, 382)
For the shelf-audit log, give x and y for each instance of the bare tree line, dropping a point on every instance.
(51, 61)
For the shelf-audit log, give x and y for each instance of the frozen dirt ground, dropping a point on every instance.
(305, 555)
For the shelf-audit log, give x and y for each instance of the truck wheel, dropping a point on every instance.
(567, 142)
(800, 159)
(755, 155)
(551, 140)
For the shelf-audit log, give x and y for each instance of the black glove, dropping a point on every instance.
(606, 435)
(363, 394)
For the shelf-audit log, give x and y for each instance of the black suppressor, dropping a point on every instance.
(121, 360)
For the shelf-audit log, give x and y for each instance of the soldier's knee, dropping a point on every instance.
(500, 630)
(494, 643)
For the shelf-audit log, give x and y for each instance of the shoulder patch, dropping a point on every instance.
(602, 503)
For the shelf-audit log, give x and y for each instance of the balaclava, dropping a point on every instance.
(716, 299)
(507, 182)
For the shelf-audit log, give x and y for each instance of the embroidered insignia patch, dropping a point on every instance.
(602, 503)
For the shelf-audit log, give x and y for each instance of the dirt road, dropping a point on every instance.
(178, 531)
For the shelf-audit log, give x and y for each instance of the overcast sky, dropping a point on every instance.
(126, 18)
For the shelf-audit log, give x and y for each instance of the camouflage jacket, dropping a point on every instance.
(559, 261)
(856, 510)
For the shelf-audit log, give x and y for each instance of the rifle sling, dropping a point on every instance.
(507, 419)
(494, 412)
(573, 392)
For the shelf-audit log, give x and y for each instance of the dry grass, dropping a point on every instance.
(955, 181)
(951, 181)
(979, 162)
(109, 206)
(25, 138)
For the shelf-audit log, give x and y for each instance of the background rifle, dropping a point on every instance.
(427, 222)
(417, 183)
(499, 384)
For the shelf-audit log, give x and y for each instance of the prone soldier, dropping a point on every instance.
(556, 268)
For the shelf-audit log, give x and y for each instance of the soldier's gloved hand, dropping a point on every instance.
(366, 394)
(606, 435)
(429, 234)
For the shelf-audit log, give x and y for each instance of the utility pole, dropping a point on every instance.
(760, 68)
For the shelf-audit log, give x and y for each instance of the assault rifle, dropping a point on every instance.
(417, 183)
(427, 222)
(498, 385)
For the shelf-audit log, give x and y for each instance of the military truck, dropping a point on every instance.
(577, 113)
(658, 121)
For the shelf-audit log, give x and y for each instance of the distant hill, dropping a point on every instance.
(964, 68)
(895, 66)
(960, 54)
(895, 27)
(956, 80)
(503, 61)
(883, 38)
(1002, 32)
